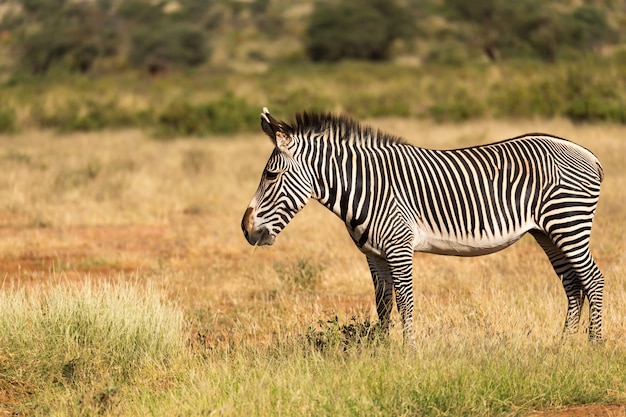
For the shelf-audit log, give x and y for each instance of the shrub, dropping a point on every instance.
(84, 56)
(330, 336)
(358, 30)
(302, 274)
(41, 50)
(227, 115)
(458, 107)
(388, 103)
(174, 45)
(594, 108)
(71, 35)
(85, 115)
(8, 123)
(543, 98)
(301, 98)
(586, 28)
(503, 28)
(142, 12)
(592, 98)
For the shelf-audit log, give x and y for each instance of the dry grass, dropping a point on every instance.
(120, 207)
(170, 211)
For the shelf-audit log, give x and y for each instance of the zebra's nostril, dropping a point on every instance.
(247, 221)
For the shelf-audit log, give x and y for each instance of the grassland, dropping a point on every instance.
(220, 101)
(128, 289)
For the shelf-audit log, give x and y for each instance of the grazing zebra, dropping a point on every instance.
(396, 199)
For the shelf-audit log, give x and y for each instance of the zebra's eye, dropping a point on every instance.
(271, 175)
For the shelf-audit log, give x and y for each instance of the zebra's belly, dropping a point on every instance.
(465, 245)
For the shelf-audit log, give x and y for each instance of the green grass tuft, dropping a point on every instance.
(88, 339)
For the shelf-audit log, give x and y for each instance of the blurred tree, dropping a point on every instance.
(587, 28)
(541, 27)
(42, 8)
(55, 32)
(159, 49)
(532, 28)
(42, 49)
(482, 18)
(74, 35)
(154, 35)
(142, 12)
(358, 30)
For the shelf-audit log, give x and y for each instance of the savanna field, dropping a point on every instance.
(129, 289)
(130, 146)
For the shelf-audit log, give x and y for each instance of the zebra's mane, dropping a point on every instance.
(347, 128)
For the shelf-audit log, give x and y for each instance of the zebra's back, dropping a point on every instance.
(478, 200)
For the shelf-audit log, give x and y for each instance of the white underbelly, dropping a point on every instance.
(467, 245)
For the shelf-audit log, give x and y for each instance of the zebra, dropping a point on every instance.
(396, 199)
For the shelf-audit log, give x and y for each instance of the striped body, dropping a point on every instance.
(396, 198)
(465, 202)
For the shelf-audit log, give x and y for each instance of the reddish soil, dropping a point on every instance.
(31, 252)
(591, 410)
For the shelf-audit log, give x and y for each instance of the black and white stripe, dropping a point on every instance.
(396, 198)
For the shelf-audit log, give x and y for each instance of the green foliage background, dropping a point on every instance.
(195, 67)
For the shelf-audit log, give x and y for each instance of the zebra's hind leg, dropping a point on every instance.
(588, 281)
(383, 288)
(593, 286)
(572, 285)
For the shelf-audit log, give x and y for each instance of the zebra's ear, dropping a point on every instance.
(279, 132)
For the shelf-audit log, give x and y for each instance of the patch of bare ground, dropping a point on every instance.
(77, 250)
(589, 410)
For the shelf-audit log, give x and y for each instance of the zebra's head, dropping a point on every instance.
(284, 189)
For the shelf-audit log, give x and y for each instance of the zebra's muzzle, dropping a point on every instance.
(257, 237)
(260, 237)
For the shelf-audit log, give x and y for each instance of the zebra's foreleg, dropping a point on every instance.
(383, 288)
(401, 268)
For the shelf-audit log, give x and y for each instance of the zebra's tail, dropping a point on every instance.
(600, 170)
